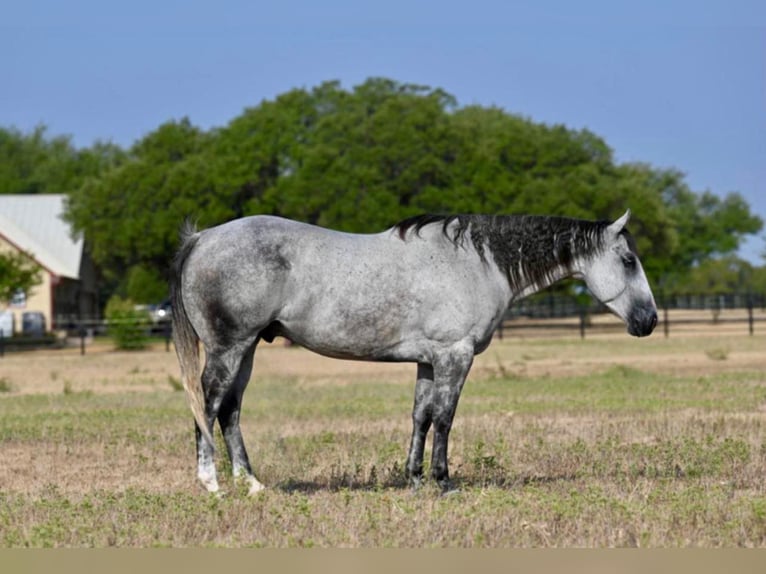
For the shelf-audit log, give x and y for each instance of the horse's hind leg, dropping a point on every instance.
(228, 417)
(218, 381)
(205, 460)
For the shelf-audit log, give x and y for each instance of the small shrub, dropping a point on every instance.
(127, 325)
(486, 466)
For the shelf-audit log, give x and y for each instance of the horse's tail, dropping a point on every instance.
(185, 337)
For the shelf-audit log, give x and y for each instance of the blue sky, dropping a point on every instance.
(677, 84)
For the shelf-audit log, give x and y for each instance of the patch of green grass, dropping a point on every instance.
(86, 415)
(621, 457)
(617, 389)
(536, 515)
(289, 399)
(69, 390)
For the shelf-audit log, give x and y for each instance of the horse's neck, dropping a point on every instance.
(552, 270)
(556, 274)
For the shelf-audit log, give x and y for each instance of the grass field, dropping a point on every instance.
(610, 441)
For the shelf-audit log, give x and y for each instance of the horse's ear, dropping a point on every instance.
(618, 225)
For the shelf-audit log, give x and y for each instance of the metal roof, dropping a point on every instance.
(34, 223)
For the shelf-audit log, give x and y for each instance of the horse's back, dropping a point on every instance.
(254, 270)
(341, 294)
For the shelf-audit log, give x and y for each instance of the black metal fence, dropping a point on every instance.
(554, 305)
(550, 311)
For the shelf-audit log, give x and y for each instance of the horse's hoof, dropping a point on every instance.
(448, 488)
(256, 490)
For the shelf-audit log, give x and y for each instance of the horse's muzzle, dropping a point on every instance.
(642, 321)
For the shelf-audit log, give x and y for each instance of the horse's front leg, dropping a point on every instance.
(421, 421)
(450, 370)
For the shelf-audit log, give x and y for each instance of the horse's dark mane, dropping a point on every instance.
(525, 247)
(418, 222)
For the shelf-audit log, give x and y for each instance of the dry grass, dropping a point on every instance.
(610, 441)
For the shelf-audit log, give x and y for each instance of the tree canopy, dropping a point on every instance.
(361, 160)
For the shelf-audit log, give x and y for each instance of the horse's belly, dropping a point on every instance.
(377, 340)
(394, 331)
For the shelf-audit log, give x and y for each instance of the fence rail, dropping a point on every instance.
(670, 322)
(676, 312)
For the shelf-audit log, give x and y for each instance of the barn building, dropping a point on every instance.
(34, 224)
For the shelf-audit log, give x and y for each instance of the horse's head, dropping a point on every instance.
(616, 278)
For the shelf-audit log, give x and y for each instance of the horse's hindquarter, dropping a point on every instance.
(346, 295)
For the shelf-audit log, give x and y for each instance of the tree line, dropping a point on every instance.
(360, 160)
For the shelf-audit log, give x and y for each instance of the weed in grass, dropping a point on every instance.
(485, 465)
(717, 354)
(5, 385)
(500, 370)
(623, 372)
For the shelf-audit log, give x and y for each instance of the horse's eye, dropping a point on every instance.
(629, 261)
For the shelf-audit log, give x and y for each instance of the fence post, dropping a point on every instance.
(665, 322)
(750, 313)
(168, 334)
(582, 321)
(82, 339)
(2, 343)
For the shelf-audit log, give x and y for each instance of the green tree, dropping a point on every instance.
(373, 156)
(18, 272)
(707, 224)
(721, 275)
(131, 215)
(758, 280)
(362, 159)
(38, 163)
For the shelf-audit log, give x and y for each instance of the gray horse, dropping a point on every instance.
(430, 290)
